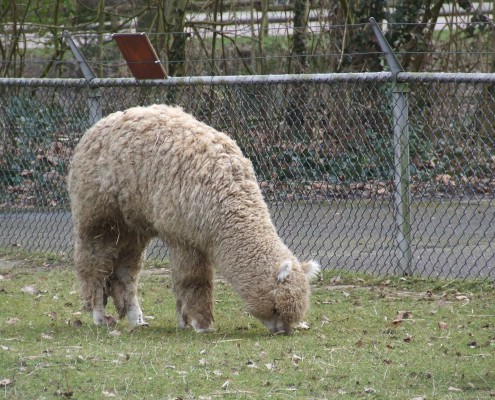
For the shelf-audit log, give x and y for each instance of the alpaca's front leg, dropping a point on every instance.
(192, 277)
(135, 315)
(93, 269)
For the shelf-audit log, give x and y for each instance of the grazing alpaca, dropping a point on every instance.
(158, 172)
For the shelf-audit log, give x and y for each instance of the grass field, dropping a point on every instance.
(368, 338)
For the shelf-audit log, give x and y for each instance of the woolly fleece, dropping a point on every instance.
(158, 172)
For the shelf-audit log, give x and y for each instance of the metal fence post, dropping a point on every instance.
(94, 96)
(402, 176)
(400, 120)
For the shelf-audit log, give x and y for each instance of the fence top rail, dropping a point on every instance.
(454, 77)
(405, 77)
(200, 80)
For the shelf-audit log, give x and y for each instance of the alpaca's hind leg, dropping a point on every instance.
(93, 261)
(192, 277)
(124, 280)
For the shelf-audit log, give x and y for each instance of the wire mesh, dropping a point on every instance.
(322, 148)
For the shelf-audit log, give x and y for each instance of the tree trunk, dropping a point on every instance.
(295, 116)
(170, 41)
(299, 38)
(101, 31)
(175, 14)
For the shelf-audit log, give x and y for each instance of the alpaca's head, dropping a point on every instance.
(281, 301)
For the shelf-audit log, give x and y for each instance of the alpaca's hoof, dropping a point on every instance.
(199, 328)
(140, 324)
(204, 330)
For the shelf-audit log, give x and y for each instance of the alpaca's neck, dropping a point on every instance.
(243, 252)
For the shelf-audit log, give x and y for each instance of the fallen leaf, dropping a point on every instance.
(302, 325)
(296, 359)
(29, 290)
(61, 393)
(77, 324)
(442, 325)
(401, 315)
(109, 393)
(225, 384)
(462, 297)
(114, 333)
(202, 362)
(345, 294)
(52, 315)
(5, 382)
(408, 338)
(445, 179)
(335, 279)
(270, 366)
(47, 336)
(454, 389)
(12, 321)
(369, 390)
(5, 348)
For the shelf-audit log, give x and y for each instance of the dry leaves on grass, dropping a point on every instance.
(5, 382)
(225, 385)
(52, 315)
(65, 394)
(77, 324)
(442, 325)
(295, 360)
(47, 336)
(303, 325)
(29, 290)
(270, 366)
(401, 316)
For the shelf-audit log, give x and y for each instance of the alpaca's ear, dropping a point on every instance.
(311, 268)
(284, 271)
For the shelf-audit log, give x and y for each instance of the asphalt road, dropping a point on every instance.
(454, 239)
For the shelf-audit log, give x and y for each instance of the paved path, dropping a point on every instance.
(448, 239)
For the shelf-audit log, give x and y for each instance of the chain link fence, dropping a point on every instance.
(328, 150)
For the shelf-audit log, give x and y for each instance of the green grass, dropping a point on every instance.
(353, 350)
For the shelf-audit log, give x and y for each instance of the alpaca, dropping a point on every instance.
(158, 172)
